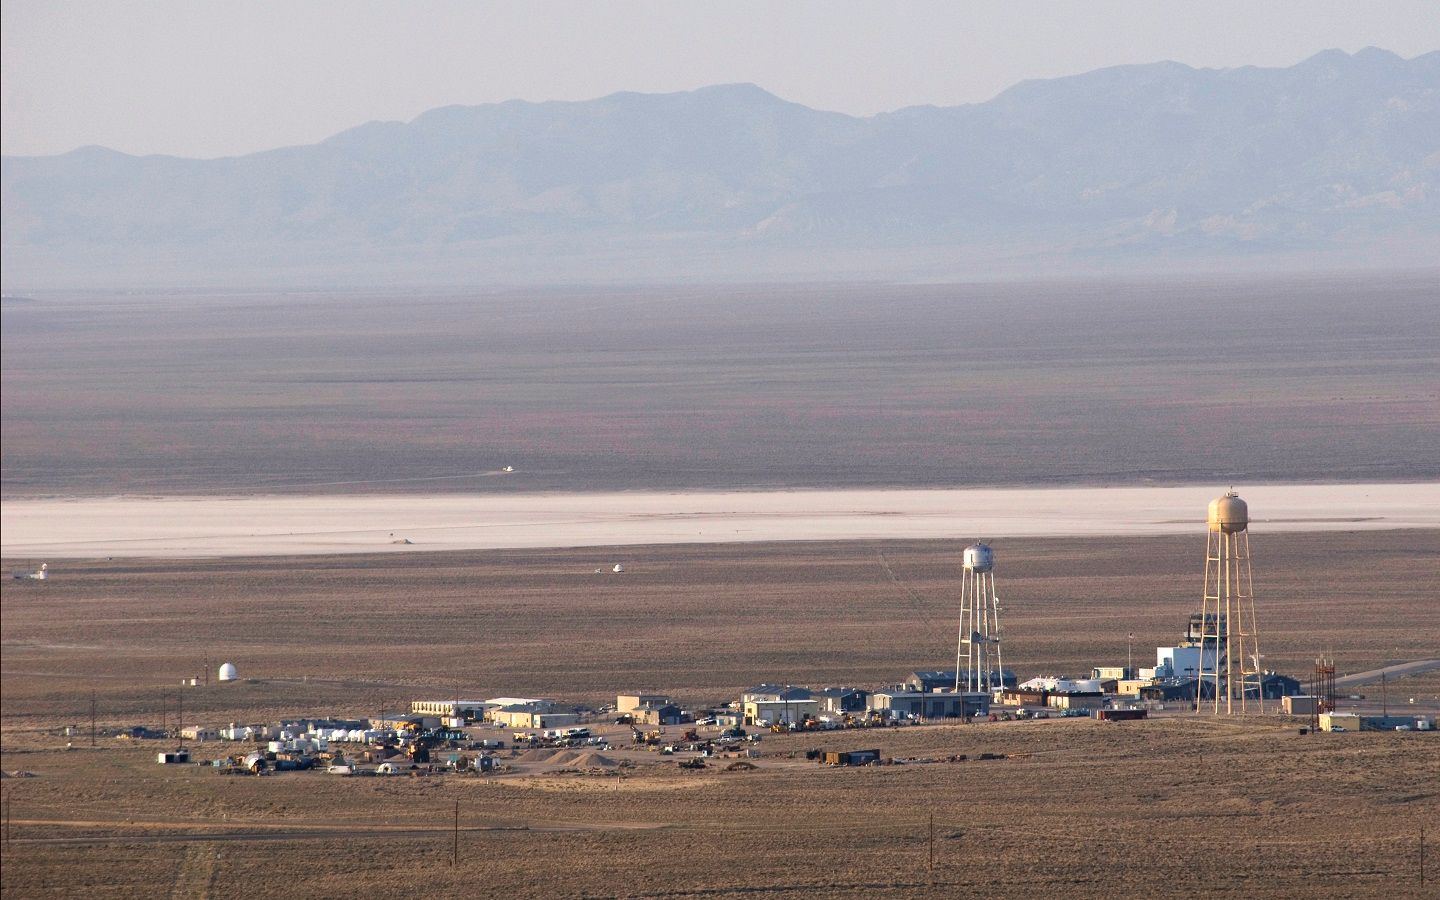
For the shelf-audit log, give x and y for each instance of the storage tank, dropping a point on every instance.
(1229, 513)
(979, 558)
(227, 672)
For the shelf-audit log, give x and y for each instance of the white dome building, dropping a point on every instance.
(227, 672)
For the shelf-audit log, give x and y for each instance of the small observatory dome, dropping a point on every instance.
(1229, 513)
(979, 558)
(227, 672)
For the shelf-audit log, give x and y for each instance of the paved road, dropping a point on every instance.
(1414, 667)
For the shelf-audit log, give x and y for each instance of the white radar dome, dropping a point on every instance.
(1228, 514)
(979, 558)
(227, 672)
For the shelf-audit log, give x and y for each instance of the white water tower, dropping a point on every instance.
(977, 652)
(1227, 614)
(227, 673)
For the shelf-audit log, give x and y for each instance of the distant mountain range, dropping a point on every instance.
(1335, 159)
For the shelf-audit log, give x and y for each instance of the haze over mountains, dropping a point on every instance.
(1134, 167)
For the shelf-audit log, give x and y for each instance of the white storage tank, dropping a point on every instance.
(979, 558)
(227, 672)
(1228, 514)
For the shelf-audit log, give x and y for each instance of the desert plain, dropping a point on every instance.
(312, 430)
(1075, 807)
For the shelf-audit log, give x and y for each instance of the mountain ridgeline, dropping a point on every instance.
(1336, 157)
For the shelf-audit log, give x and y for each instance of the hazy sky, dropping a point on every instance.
(202, 78)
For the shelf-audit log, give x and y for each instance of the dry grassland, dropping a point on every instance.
(1081, 809)
(1088, 382)
(347, 633)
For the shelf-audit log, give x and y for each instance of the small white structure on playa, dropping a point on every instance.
(227, 672)
(37, 575)
(618, 569)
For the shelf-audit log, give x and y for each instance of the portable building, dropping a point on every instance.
(1119, 715)
(851, 758)
(200, 733)
(1341, 721)
(1300, 705)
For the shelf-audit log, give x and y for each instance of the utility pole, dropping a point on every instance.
(180, 717)
(930, 867)
(1130, 656)
(1422, 855)
(92, 717)
(1384, 697)
(455, 847)
(10, 795)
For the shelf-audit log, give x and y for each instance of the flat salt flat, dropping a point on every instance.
(294, 525)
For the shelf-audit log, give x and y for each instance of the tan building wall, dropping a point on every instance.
(533, 719)
(627, 702)
(469, 709)
(1299, 705)
(1074, 701)
(1130, 687)
(777, 711)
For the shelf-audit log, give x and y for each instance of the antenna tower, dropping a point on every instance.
(1323, 688)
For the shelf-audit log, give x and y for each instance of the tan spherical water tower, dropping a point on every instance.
(977, 651)
(1230, 649)
(1228, 513)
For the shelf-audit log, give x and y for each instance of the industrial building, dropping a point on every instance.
(1336, 721)
(537, 714)
(500, 710)
(665, 714)
(767, 692)
(946, 679)
(838, 701)
(930, 704)
(469, 710)
(626, 702)
(1272, 686)
(1058, 693)
(780, 711)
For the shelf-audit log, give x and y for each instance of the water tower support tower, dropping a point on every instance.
(1229, 648)
(978, 665)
